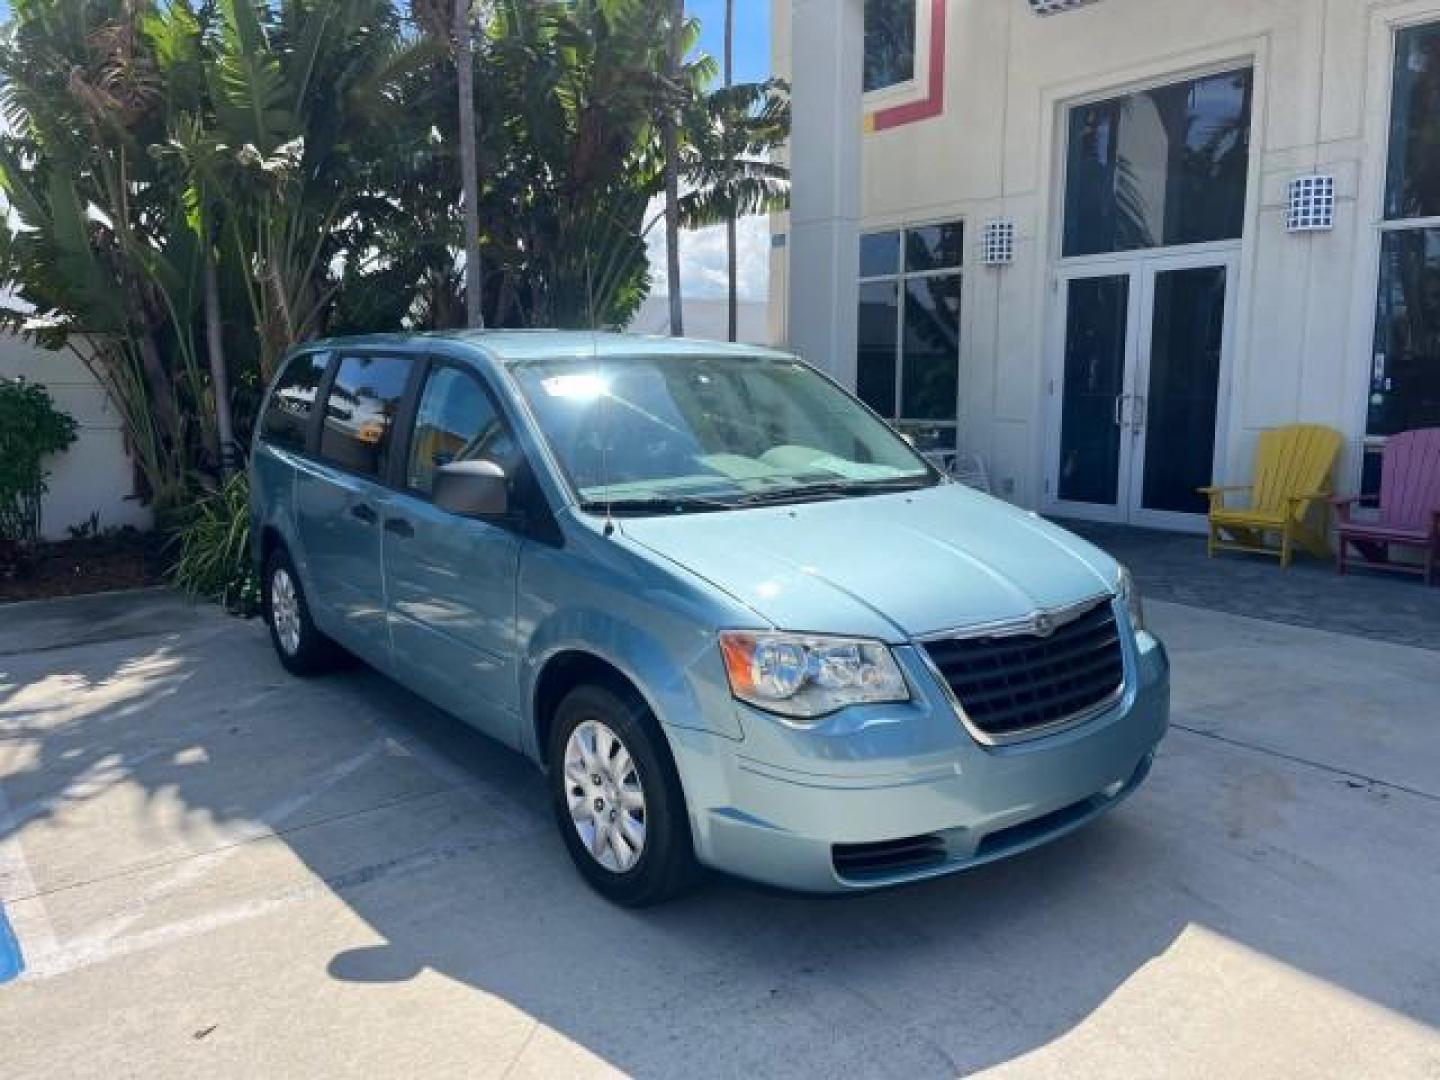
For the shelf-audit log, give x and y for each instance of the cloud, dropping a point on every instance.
(702, 260)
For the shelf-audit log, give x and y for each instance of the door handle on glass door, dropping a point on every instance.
(1120, 400)
(1137, 418)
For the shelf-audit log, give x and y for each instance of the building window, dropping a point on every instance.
(1405, 368)
(1160, 167)
(908, 367)
(889, 43)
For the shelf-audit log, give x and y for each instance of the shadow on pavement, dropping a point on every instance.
(441, 842)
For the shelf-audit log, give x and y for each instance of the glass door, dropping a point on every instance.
(1135, 389)
(1174, 414)
(1089, 474)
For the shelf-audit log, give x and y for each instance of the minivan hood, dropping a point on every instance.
(893, 566)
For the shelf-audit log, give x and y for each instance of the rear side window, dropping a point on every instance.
(287, 417)
(361, 410)
(456, 422)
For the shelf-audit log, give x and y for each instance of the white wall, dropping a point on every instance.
(1304, 319)
(94, 475)
(705, 319)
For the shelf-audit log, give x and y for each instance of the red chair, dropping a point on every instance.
(1409, 507)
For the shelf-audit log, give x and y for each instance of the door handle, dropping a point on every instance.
(1137, 421)
(1120, 400)
(400, 527)
(365, 513)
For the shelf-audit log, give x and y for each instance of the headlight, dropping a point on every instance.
(1126, 590)
(807, 676)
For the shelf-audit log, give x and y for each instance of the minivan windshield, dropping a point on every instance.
(670, 434)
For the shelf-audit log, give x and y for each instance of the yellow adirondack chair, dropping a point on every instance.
(1292, 475)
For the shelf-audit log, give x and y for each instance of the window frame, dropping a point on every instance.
(1066, 106)
(312, 429)
(914, 86)
(1371, 444)
(532, 515)
(900, 277)
(430, 363)
(339, 352)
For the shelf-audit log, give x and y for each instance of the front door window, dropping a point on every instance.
(456, 421)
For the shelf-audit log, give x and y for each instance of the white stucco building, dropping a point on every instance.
(1162, 304)
(705, 317)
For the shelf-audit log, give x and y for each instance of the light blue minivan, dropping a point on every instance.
(737, 620)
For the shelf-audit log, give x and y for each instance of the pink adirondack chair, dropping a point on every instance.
(1409, 507)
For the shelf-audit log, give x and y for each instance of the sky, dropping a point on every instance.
(702, 253)
(752, 34)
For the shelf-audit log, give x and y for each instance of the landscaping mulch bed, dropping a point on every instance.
(123, 560)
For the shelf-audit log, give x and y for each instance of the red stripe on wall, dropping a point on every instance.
(934, 102)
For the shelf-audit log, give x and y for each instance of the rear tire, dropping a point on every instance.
(301, 647)
(617, 798)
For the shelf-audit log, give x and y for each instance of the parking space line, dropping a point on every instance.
(87, 953)
(194, 869)
(11, 962)
(31, 924)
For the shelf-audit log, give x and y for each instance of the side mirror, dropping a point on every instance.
(472, 489)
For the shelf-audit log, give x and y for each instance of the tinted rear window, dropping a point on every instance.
(360, 412)
(287, 418)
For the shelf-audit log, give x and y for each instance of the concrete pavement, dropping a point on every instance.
(213, 869)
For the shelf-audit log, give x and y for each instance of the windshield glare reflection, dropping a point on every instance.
(667, 434)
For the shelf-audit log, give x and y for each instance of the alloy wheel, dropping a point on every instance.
(285, 610)
(605, 797)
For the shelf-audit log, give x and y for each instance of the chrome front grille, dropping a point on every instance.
(1011, 683)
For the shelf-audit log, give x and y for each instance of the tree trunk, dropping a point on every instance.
(469, 167)
(731, 256)
(163, 403)
(670, 136)
(219, 377)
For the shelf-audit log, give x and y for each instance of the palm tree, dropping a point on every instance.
(671, 151)
(731, 260)
(199, 186)
(469, 167)
(199, 158)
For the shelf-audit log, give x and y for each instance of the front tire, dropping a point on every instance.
(302, 649)
(617, 798)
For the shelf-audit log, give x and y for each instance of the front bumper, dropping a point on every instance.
(818, 810)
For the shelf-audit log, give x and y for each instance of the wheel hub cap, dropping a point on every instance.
(285, 611)
(603, 792)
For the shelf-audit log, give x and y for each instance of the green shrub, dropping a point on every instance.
(31, 429)
(214, 549)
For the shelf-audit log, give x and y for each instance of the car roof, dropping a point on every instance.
(516, 347)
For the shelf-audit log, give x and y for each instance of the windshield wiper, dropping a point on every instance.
(700, 504)
(677, 504)
(832, 489)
